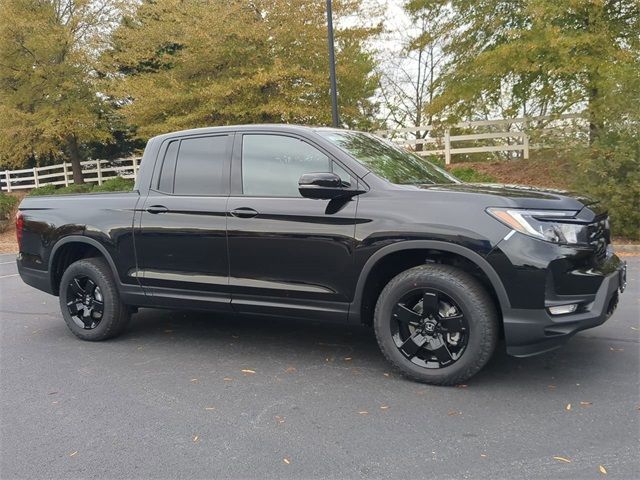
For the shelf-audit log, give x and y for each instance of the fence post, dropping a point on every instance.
(99, 172)
(7, 177)
(525, 140)
(447, 147)
(35, 177)
(66, 174)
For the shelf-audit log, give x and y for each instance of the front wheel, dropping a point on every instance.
(436, 324)
(90, 301)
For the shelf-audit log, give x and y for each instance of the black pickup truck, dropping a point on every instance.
(328, 224)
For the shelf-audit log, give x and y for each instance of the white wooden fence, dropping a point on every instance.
(94, 171)
(506, 135)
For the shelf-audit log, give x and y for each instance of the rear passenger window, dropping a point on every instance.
(194, 166)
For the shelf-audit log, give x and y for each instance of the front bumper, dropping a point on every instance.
(533, 331)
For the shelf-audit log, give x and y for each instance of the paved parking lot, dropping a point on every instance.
(170, 399)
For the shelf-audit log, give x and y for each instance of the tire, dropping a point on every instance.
(469, 309)
(94, 276)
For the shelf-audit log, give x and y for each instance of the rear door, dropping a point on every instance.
(288, 255)
(181, 242)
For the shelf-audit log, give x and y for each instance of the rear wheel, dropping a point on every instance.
(436, 324)
(90, 301)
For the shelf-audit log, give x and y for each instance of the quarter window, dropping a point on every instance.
(273, 164)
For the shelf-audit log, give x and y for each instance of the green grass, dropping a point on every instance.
(115, 184)
(468, 174)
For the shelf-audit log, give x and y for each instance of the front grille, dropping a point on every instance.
(600, 236)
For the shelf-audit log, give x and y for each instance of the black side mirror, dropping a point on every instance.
(325, 185)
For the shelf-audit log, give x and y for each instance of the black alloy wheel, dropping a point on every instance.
(436, 324)
(85, 302)
(429, 328)
(90, 301)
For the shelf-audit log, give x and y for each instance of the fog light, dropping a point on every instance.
(563, 309)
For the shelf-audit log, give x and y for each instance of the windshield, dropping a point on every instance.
(386, 160)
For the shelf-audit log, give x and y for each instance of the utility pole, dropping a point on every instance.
(332, 68)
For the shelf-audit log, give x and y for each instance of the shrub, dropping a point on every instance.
(610, 172)
(7, 205)
(45, 190)
(73, 188)
(468, 174)
(115, 184)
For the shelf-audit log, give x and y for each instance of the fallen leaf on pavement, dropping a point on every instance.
(291, 370)
(461, 386)
(551, 387)
(195, 438)
(384, 407)
(248, 371)
(483, 455)
(209, 408)
(562, 459)
(347, 359)
(286, 460)
(586, 404)
(616, 349)
(194, 380)
(228, 379)
(453, 413)
(386, 374)
(279, 419)
(568, 407)
(73, 453)
(363, 412)
(602, 470)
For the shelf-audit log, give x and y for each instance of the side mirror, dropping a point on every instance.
(323, 186)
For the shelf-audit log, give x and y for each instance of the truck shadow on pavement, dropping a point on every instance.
(309, 344)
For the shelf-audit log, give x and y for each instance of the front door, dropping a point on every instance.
(288, 255)
(181, 242)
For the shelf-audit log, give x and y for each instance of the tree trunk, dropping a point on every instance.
(595, 126)
(74, 155)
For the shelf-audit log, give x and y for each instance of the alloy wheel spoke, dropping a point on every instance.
(405, 315)
(76, 288)
(413, 344)
(453, 323)
(73, 308)
(442, 354)
(90, 286)
(430, 304)
(98, 306)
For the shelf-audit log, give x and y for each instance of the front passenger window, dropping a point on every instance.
(273, 164)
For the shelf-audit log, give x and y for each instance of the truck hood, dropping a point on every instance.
(520, 196)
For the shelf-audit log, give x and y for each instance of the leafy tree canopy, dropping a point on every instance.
(176, 64)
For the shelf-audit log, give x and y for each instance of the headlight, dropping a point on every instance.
(558, 226)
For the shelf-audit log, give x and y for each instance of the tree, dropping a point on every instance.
(175, 65)
(409, 80)
(48, 101)
(552, 54)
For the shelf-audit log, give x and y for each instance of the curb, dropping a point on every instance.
(626, 248)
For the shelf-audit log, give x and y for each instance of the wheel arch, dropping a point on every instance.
(63, 254)
(422, 246)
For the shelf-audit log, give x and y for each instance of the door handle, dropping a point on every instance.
(157, 209)
(244, 212)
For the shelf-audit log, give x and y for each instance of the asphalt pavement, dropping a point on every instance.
(195, 395)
